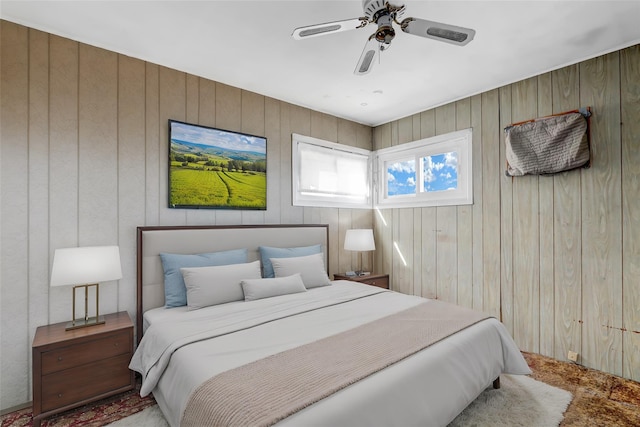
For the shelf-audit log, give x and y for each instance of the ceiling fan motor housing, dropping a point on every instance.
(371, 7)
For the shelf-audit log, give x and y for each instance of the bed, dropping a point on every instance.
(188, 354)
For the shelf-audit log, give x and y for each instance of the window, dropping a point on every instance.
(430, 172)
(330, 175)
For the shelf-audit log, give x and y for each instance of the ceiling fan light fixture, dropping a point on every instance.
(385, 34)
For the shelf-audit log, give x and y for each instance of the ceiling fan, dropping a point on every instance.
(384, 14)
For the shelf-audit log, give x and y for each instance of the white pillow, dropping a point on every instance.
(217, 285)
(272, 287)
(310, 267)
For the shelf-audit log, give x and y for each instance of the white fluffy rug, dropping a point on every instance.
(521, 401)
(149, 417)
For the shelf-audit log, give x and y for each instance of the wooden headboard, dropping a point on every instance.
(152, 241)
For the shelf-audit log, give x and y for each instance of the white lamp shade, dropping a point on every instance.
(359, 239)
(89, 264)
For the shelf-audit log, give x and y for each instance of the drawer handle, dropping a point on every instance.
(373, 283)
(116, 344)
(59, 395)
(59, 358)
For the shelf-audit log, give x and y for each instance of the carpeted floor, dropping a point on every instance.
(94, 415)
(599, 400)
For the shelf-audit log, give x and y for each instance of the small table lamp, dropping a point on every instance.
(359, 239)
(85, 267)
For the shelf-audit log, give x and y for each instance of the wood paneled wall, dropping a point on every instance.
(556, 258)
(84, 162)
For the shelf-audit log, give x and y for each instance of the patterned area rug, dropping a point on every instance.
(94, 415)
(599, 400)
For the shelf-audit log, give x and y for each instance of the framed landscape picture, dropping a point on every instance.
(215, 168)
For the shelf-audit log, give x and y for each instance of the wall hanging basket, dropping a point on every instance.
(549, 144)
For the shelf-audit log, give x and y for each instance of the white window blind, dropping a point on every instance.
(330, 174)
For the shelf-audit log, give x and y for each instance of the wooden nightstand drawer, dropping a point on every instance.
(76, 367)
(73, 385)
(379, 280)
(79, 354)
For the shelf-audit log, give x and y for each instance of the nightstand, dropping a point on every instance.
(75, 367)
(380, 280)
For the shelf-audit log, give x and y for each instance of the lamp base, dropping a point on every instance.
(83, 323)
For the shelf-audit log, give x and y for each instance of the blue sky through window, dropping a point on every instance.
(440, 173)
(401, 178)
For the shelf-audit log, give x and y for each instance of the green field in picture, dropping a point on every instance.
(193, 185)
(213, 168)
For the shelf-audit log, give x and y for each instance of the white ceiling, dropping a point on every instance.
(248, 44)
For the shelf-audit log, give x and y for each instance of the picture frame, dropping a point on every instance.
(212, 168)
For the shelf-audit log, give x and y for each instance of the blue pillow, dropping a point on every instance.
(268, 252)
(175, 291)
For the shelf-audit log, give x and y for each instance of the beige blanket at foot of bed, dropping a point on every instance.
(266, 391)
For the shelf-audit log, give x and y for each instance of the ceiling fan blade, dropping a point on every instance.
(369, 55)
(453, 34)
(328, 28)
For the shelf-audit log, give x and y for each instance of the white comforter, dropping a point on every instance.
(181, 349)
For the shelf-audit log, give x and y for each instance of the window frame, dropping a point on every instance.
(458, 141)
(299, 198)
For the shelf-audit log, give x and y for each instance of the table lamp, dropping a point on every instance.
(84, 267)
(359, 239)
